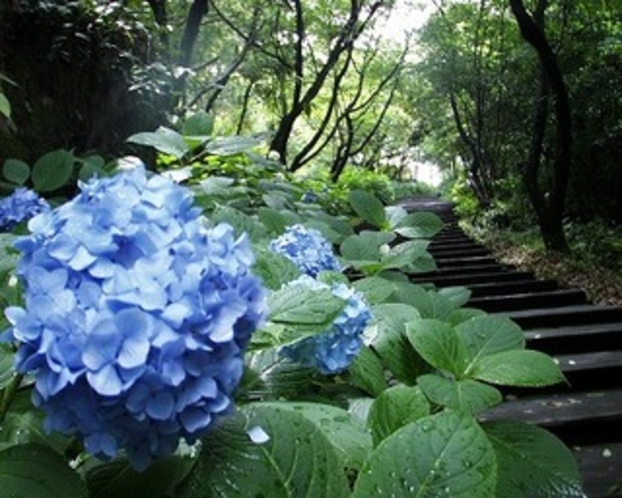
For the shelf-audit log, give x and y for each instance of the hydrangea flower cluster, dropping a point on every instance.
(136, 317)
(333, 350)
(20, 206)
(307, 249)
(309, 196)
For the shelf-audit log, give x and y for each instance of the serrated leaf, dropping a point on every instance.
(228, 146)
(368, 207)
(523, 368)
(487, 335)
(469, 396)
(447, 454)
(274, 269)
(16, 171)
(298, 304)
(275, 377)
(429, 303)
(456, 317)
(365, 246)
(395, 215)
(532, 462)
(163, 140)
(52, 170)
(297, 460)
(405, 255)
(389, 341)
(346, 432)
(367, 373)
(394, 408)
(198, 124)
(457, 295)
(273, 219)
(117, 478)
(375, 289)
(438, 344)
(419, 225)
(37, 471)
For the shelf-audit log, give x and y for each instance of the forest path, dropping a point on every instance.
(584, 338)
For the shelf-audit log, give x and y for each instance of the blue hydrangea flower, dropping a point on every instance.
(309, 196)
(136, 316)
(307, 249)
(333, 350)
(20, 206)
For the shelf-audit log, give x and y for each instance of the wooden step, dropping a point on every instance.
(515, 287)
(466, 270)
(466, 261)
(576, 338)
(601, 468)
(453, 253)
(596, 370)
(467, 246)
(513, 302)
(477, 278)
(451, 238)
(580, 314)
(588, 417)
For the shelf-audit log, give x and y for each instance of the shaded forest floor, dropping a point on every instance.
(602, 285)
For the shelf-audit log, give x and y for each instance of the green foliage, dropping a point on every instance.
(38, 471)
(54, 170)
(453, 458)
(400, 420)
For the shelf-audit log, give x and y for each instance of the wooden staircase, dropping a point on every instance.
(585, 339)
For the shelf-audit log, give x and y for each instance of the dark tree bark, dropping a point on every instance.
(476, 159)
(548, 203)
(198, 10)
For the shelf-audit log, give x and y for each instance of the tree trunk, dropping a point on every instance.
(549, 203)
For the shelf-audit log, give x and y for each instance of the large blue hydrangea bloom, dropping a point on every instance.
(307, 249)
(20, 206)
(333, 350)
(136, 316)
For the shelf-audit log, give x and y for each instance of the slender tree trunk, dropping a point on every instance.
(548, 203)
(198, 10)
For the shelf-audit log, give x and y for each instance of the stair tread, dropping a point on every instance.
(557, 409)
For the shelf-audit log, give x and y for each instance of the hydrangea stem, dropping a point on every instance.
(9, 394)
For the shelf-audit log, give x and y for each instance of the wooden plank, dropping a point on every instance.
(564, 315)
(595, 360)
(508, 288)
(601, 468)
(576, 338)
(465, 270)
(577, 417)
(452, 246)
(472, 279)
(594, 370)
(465, 261)
(513, 302)
(451, 253)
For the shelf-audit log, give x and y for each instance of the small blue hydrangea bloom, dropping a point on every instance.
(136, 316)
(333, 350)
(307, 249)
(20, 206)
(309, 196)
